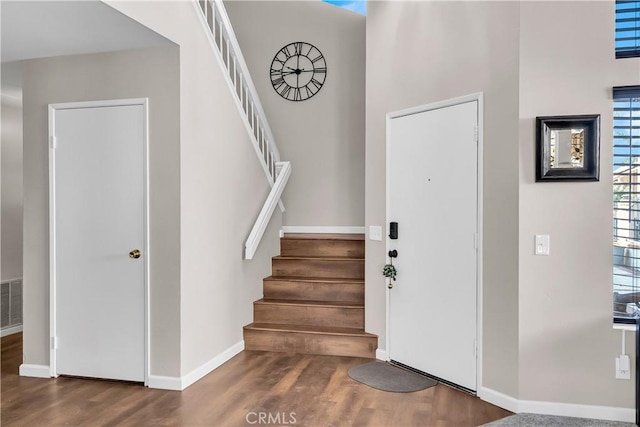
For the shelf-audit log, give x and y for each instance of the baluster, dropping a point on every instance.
(210, 16)
(228, 63)
(213, 21)
(235, 70)
(253, 117)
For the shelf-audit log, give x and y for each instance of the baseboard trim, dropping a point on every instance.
(181, 383)
(10, 330)
(509, 403)
(165, 383)
(212, 364)
(499, 399)
(35, 371)
(323, 230)
(610, 413)
(382, 355)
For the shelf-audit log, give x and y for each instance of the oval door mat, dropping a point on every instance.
(386, 377)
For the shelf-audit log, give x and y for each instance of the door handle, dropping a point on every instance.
(134, 254)
(393, 253)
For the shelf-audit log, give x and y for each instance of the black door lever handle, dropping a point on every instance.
(393, 254)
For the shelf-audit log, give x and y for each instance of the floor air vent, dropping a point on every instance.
(10, 304)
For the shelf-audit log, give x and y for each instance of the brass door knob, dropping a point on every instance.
(134, 254)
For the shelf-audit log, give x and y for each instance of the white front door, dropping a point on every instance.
(433, 196)
(97, 197)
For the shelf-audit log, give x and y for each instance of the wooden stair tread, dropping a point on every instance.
(318, 330)
(339, 304)
(310, 236)
(314, 279)
(316, 258)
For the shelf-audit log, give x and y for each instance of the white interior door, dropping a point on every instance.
(97, 218)
(433, 196)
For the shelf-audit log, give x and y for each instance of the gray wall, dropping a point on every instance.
(11, 168)
(152, 73)
(222, 189)
(567, 345)
(323, 137)
(422, 52)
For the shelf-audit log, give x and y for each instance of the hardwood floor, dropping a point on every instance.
(294, 389)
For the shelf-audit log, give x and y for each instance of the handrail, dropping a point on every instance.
(225, 43)
(223, 40)
(267, 210)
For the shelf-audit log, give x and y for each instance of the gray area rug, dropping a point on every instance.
(534, 420)
(385, 377)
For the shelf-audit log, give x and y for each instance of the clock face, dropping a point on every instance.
(298, 71)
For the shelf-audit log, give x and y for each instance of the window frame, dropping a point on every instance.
(624, 93)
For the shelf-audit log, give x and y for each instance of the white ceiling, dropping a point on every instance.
(37, 29)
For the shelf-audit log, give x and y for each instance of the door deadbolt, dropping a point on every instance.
(134, 254)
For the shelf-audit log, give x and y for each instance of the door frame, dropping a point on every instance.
(479, 254)
(53, 108)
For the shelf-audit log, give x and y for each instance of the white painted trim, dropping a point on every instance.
(35, 371)
(10, 330)
(575, 410)
(250, 87)
(499, 399)
(181, 383)
(255, 237)
(554, 408)
(323, 229)
(144, 102)
(480, 254)
(212, 364)
(479, 98)
(165, 383)
(624, 327)
(382, 355)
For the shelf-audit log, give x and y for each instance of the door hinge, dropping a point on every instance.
(475, 133)
(53, 142)
(54, 343)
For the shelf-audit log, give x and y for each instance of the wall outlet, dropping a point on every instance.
(375, 232)
(623, 367)
(542, 243)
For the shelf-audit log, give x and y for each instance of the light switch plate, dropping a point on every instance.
(375, 232)
(542, 244)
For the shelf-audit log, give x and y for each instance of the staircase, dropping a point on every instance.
(314, 301)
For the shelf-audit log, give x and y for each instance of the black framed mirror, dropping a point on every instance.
(568, 148)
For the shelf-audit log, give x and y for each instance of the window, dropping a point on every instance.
(626, 203)
(627, 28)
(358, 6)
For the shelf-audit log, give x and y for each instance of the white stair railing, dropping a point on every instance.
(218, 25)
(260, 226)
(223, 41)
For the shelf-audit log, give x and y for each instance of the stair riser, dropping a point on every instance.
(310, 343)
(314, 291)
(319, 268)
(285, 314)
(320, 247)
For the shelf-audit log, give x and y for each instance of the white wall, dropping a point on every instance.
(151, 73)
(222, 189)
(323, 137)
(11, 168)
(423, 52)
(567, 345)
